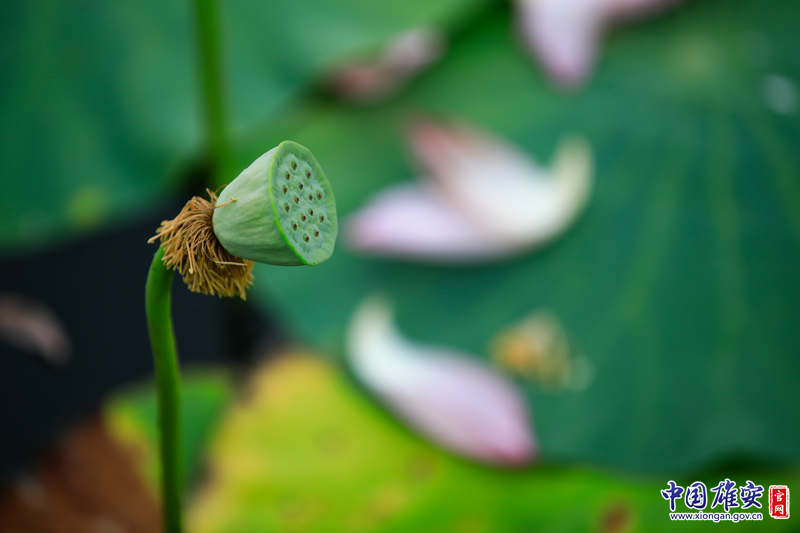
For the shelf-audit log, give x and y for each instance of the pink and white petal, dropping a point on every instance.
(563, 35)
(500, 188)
(412, 221)
(360, 82)
(406, 55)
(413, 50)
(485, 178)
(456, 402)
(31, 325)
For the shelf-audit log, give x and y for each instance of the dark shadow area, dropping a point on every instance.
(95, 288)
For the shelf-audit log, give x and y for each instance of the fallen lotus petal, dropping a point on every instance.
(405, 56)
(483, 199)
(564, 34)
(32, 326)
(455, 401)
(501, 188)
(413, 221)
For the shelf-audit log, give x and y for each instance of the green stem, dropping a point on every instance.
(165, 357)
(210, 64)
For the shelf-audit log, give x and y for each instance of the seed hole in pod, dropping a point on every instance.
(287, 207)
(303, 217)
(287, 176)
(301, 186)
(319, 195)
(310, 211)
(305, 238)
(294, 226)
(296, 199)
(294, 164)
(316, 234)
(322, 218)
(285, 190)
(310, 196)
(308, 174)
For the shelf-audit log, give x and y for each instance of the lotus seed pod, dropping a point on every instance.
(279, 210)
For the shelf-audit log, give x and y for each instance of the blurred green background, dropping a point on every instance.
(679, 284)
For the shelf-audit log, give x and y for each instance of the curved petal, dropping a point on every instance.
(31, 325)
(405, 56)
(411, 221)
(500, 188)
(483, 199)
(564, 34)
(456, 402)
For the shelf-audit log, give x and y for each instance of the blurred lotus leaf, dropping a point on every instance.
(305, 450)
(679, 281)
(101, 102)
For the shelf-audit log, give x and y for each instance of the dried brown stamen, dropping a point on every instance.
(191, 248)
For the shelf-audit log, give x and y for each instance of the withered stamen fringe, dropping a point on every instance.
(192, 250)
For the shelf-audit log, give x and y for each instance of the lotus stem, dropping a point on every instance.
(165, 357)
(206, 14)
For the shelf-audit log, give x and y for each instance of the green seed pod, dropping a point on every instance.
(280, 210)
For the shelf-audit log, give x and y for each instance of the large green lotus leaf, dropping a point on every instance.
(679, 284)
(98, 105)
(101, 102)
(274, 48)
(306, 450)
